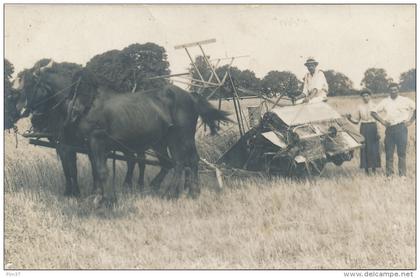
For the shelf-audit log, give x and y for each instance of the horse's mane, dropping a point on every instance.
(66, 68)
(85, 82)
(59, 68)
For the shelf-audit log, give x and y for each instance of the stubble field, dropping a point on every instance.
(344, 220)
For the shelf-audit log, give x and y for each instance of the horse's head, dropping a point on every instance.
(34, 90)
(45, 89)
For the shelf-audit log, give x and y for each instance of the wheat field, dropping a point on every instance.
(343, 220)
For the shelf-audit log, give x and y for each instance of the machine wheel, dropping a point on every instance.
(340, 158)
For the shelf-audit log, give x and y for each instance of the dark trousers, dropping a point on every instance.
(370, 156)
(395, 135)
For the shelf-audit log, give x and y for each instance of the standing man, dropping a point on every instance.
(399, 113)
(315, 86)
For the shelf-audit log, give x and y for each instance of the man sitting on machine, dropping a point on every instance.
(315, 86)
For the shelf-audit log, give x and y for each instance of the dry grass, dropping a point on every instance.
(344, 220)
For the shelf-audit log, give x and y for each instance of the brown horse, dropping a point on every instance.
(43, 92)
(159, 119)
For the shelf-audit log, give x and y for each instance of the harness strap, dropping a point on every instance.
(15, 130)
(56, 94)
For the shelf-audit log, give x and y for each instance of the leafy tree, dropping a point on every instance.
(129, 69)
(338, 83)
(408, 80)
(277, 83)
(8, 71)
(242, 79)
(248, 80)
(376, 80)
(9, 96)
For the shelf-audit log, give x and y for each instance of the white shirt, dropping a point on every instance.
(396, 110)
(315, 81)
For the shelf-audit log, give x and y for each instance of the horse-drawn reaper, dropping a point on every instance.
(76, 114)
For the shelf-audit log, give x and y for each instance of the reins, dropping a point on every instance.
(56, 94)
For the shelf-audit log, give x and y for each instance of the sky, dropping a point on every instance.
(345, 38)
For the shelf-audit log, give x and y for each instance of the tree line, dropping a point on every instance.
(276, 82)
(8, 72)
(134, 67)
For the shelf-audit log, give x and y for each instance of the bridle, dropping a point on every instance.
(46, 87)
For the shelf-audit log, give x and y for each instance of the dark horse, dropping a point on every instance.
(160, 119)
(44, 93)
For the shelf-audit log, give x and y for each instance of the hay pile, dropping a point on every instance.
(212, 148)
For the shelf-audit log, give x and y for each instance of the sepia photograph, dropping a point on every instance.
(210, 137)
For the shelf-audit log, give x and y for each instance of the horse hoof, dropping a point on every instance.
(127, 185)
(127, 190)
(171, 195)
(140, 188)
(108, 202)
(72, 193)
(97, 201)
(76, 193)
(165, 195)
(154, 187)
(194, 192)
(183, 195)
(67, 193)
(156, 191)
(95, 191)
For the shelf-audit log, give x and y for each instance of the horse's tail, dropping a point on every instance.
(209, 114)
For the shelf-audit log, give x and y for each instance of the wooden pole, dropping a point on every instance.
(219, 174)
(235, 104)
(111, 155)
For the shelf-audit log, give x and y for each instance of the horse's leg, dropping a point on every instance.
(178, 152)
(191, 176)
(66, 162)
(72, 156)
(176, 187)
(61, 150)
(142, 167)
(94, 174)
(188, 178)
(128, 181)
(97, 145)
(165, 166)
